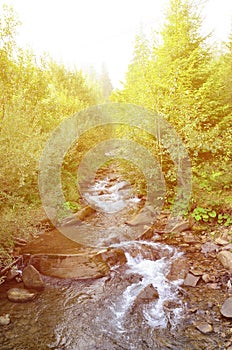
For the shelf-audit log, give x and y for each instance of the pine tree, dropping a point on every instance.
(105, 83)
(181, 63)
(135, 88)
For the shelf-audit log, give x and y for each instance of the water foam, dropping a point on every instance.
(152, 273)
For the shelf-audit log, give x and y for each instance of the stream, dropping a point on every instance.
(136, 307)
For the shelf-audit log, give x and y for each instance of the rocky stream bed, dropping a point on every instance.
(157, 291)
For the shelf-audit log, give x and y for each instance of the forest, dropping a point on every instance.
(177, 73)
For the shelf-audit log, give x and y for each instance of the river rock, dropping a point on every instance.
(178, 270)
(145, 217)
(78, 217)
(191, 280)
(20, 295)
(181, 226)
(149, 293)
(206, 278)
(204, 327)
(221, 241)
(114, 256)
(32, 278)
(4, 320)
(14, 272)
(189, 237)
(225, 258)
(79, 266)
(226, 309)
(209, 247)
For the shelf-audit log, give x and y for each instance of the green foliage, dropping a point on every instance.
(175, 74)
(203, 214)
(225, 219)
(72, 206)
(36, 95)
(209, 215)
(178, 75)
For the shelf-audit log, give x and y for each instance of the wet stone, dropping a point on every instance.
(114, 256)
(191, 280)
(76, 218)
(20, 295)
(179, 269)
(79, 266)
(197, 272)
(170, 304)
(206, 277)
(4, 320)
(12, 274)
(148, 294)
(221, 241)
(32, 278)
(213, 286)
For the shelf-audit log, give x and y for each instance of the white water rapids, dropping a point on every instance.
(112, 197)
(154, 273)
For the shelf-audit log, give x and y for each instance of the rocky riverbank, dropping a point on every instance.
(113, 286)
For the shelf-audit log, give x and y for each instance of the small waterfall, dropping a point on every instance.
(152, 273)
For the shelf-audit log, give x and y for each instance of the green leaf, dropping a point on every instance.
(213, 214)
(197, 217)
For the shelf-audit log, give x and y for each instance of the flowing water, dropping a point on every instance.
(135, 307)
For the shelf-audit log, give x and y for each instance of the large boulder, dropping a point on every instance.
(79, 266)
(32, 278)
(83, 265)
(20, 295)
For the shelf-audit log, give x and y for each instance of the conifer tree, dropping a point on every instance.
(105, 83)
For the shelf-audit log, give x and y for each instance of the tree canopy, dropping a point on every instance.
(179, 75)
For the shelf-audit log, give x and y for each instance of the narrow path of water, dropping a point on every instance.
(135, 307)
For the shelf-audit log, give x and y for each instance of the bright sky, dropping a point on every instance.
(90, 32)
